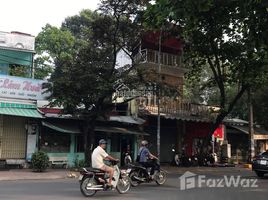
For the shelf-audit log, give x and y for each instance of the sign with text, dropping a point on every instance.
(22, 88)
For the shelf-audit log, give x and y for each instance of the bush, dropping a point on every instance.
(40, 161)
(79, 163)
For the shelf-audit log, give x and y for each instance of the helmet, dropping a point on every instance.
(102, 141)
(144, 142)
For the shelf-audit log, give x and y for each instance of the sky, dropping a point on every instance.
(29, 16)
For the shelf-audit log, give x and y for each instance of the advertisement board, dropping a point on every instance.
(23, 88)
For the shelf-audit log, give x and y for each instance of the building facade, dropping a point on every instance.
(19, 92)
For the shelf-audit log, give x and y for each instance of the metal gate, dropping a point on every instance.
(12, 137)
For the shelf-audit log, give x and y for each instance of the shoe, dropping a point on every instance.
(109, 187)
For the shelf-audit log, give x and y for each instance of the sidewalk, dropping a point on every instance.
(27, 174)
(200, 170)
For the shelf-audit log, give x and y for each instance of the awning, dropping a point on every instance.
(259, 134)
(64, 128)
(21, 112)
(72, 128)
(120, 130)
(127, 119)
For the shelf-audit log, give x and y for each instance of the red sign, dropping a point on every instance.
(218, 133)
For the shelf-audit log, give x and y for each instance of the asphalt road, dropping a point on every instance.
(69, 188)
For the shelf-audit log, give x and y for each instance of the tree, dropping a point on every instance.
(84, 52)
(230, 37)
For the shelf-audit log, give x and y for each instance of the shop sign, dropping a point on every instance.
(23, 88)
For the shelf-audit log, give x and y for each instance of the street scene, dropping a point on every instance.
(67, 188)
(138, 99)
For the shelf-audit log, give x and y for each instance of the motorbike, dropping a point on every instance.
(127, 159)
(140, 174)
(175, 158)
(194, 160)
(93, 180)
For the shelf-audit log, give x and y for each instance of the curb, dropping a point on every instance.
(16, 176)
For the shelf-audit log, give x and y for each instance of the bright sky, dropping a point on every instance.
(29, 16)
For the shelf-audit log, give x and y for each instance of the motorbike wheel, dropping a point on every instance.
(123, 185)
(133, 181)
(160, 177)
(177, 160)
(84, 184)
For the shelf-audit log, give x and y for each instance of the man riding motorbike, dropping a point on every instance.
(99, 154)
(146, 159)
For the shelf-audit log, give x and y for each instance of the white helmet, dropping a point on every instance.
(144, 142)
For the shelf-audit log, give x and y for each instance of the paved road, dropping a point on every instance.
(69, 189)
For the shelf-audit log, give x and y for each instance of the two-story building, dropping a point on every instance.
(19, 92)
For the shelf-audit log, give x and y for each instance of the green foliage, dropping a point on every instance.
(20, 70)
(79, 163)
(40, 161)
(83, 53)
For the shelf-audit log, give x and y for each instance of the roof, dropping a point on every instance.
(127, 119)
(169, 44)
(73, 128)
(235, 121)
(259, 133)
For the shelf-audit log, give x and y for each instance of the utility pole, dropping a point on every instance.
(158, 95)
(251, 128)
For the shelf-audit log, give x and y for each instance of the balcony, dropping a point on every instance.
(151, 56)
(170, 64)
(176, 109)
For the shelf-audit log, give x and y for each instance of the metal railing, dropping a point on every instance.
(151, 56)
(176, 108)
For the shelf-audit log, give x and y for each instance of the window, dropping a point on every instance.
(55, 142)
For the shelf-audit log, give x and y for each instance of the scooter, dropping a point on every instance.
(127, 159)
(175, 158)
(93, 180)
(140, 174)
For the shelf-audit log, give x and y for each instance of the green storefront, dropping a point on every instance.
(63, 141)
(18, 130)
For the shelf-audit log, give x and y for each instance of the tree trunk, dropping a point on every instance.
(89, 139)
(221, 117)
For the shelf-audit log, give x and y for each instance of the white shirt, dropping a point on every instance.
(97, 157)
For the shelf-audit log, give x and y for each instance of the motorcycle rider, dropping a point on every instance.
(146, 158)
(98, 156)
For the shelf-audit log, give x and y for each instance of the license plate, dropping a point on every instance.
(128, 171)
(263, 162)
(80, 177)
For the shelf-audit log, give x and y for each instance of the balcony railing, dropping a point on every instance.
(177, 109)
(151, 56)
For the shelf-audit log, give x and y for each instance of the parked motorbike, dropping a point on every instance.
(186, 161)
(207, 159)
(93, 180)
(140, 174)
(175, 158)
(127, 159)
(194, 160)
